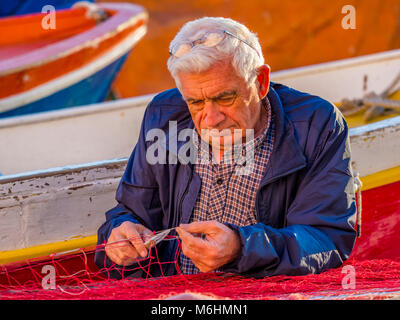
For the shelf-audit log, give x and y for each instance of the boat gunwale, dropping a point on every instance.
(335, 65)
(96, 108)
(54, 85)
(122, 19)
(375, 126)
(62, 170)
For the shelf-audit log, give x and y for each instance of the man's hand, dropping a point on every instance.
(125, 253)
(220, 246)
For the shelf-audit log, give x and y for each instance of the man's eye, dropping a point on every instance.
(227, 100)
(196, 103)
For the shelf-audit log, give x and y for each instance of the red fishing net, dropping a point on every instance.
(373, 271)
(76, 277)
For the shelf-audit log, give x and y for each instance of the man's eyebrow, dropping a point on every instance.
(225, 93)
(188, 99)
(219, 96)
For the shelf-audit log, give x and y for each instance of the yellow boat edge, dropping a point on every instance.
(43, 250)
(369, 182)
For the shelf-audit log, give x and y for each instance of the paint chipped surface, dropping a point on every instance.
(376, 147)
(50, 208)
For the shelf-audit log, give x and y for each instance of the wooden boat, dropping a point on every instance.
(73, 64)
(37, 197)
(84, 143)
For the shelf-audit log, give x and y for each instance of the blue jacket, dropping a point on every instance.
(305, 204)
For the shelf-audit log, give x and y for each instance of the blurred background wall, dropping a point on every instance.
(292, 33)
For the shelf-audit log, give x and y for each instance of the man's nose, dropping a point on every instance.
(213, 116)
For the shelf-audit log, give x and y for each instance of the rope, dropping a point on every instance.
(92, 11)
(373, 104)
(357, 186)
(392, 88)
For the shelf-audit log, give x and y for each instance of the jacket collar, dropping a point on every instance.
(287, 155)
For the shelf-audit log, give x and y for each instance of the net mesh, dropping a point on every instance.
(375, 262)
(76, 277)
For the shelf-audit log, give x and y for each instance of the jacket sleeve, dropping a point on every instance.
(137, 195)
(319, 232)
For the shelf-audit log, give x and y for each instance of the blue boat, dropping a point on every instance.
(18, 7)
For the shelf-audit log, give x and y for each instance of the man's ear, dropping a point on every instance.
(263, 80)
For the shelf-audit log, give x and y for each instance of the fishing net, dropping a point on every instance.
(372, 272)
(76, 277)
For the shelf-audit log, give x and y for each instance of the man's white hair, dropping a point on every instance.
(200, 58)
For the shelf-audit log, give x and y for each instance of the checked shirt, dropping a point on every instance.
(227, 194)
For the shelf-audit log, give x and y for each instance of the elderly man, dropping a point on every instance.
(292, 212)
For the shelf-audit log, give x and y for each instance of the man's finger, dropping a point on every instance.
(205, 227)
(135, 239)
(201, 266)
(190, 241)
(110, 253)
(143, 231)
(116, 256)
(191, 253)
(128, 251)
(121, 251)
(196, 258)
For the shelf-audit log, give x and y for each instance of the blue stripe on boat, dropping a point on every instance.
(18, 7)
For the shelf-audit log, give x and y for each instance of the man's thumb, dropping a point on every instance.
(144, 232)
(199, 227)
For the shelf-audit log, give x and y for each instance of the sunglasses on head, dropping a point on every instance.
(210, 39)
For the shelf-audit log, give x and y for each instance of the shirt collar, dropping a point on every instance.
(249, 146)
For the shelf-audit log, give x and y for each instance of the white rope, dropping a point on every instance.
(357, 187)
(373, 104)
(92, 10)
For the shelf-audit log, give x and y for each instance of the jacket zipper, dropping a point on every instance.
(184, 195)
(180, 210)
(270, 181)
